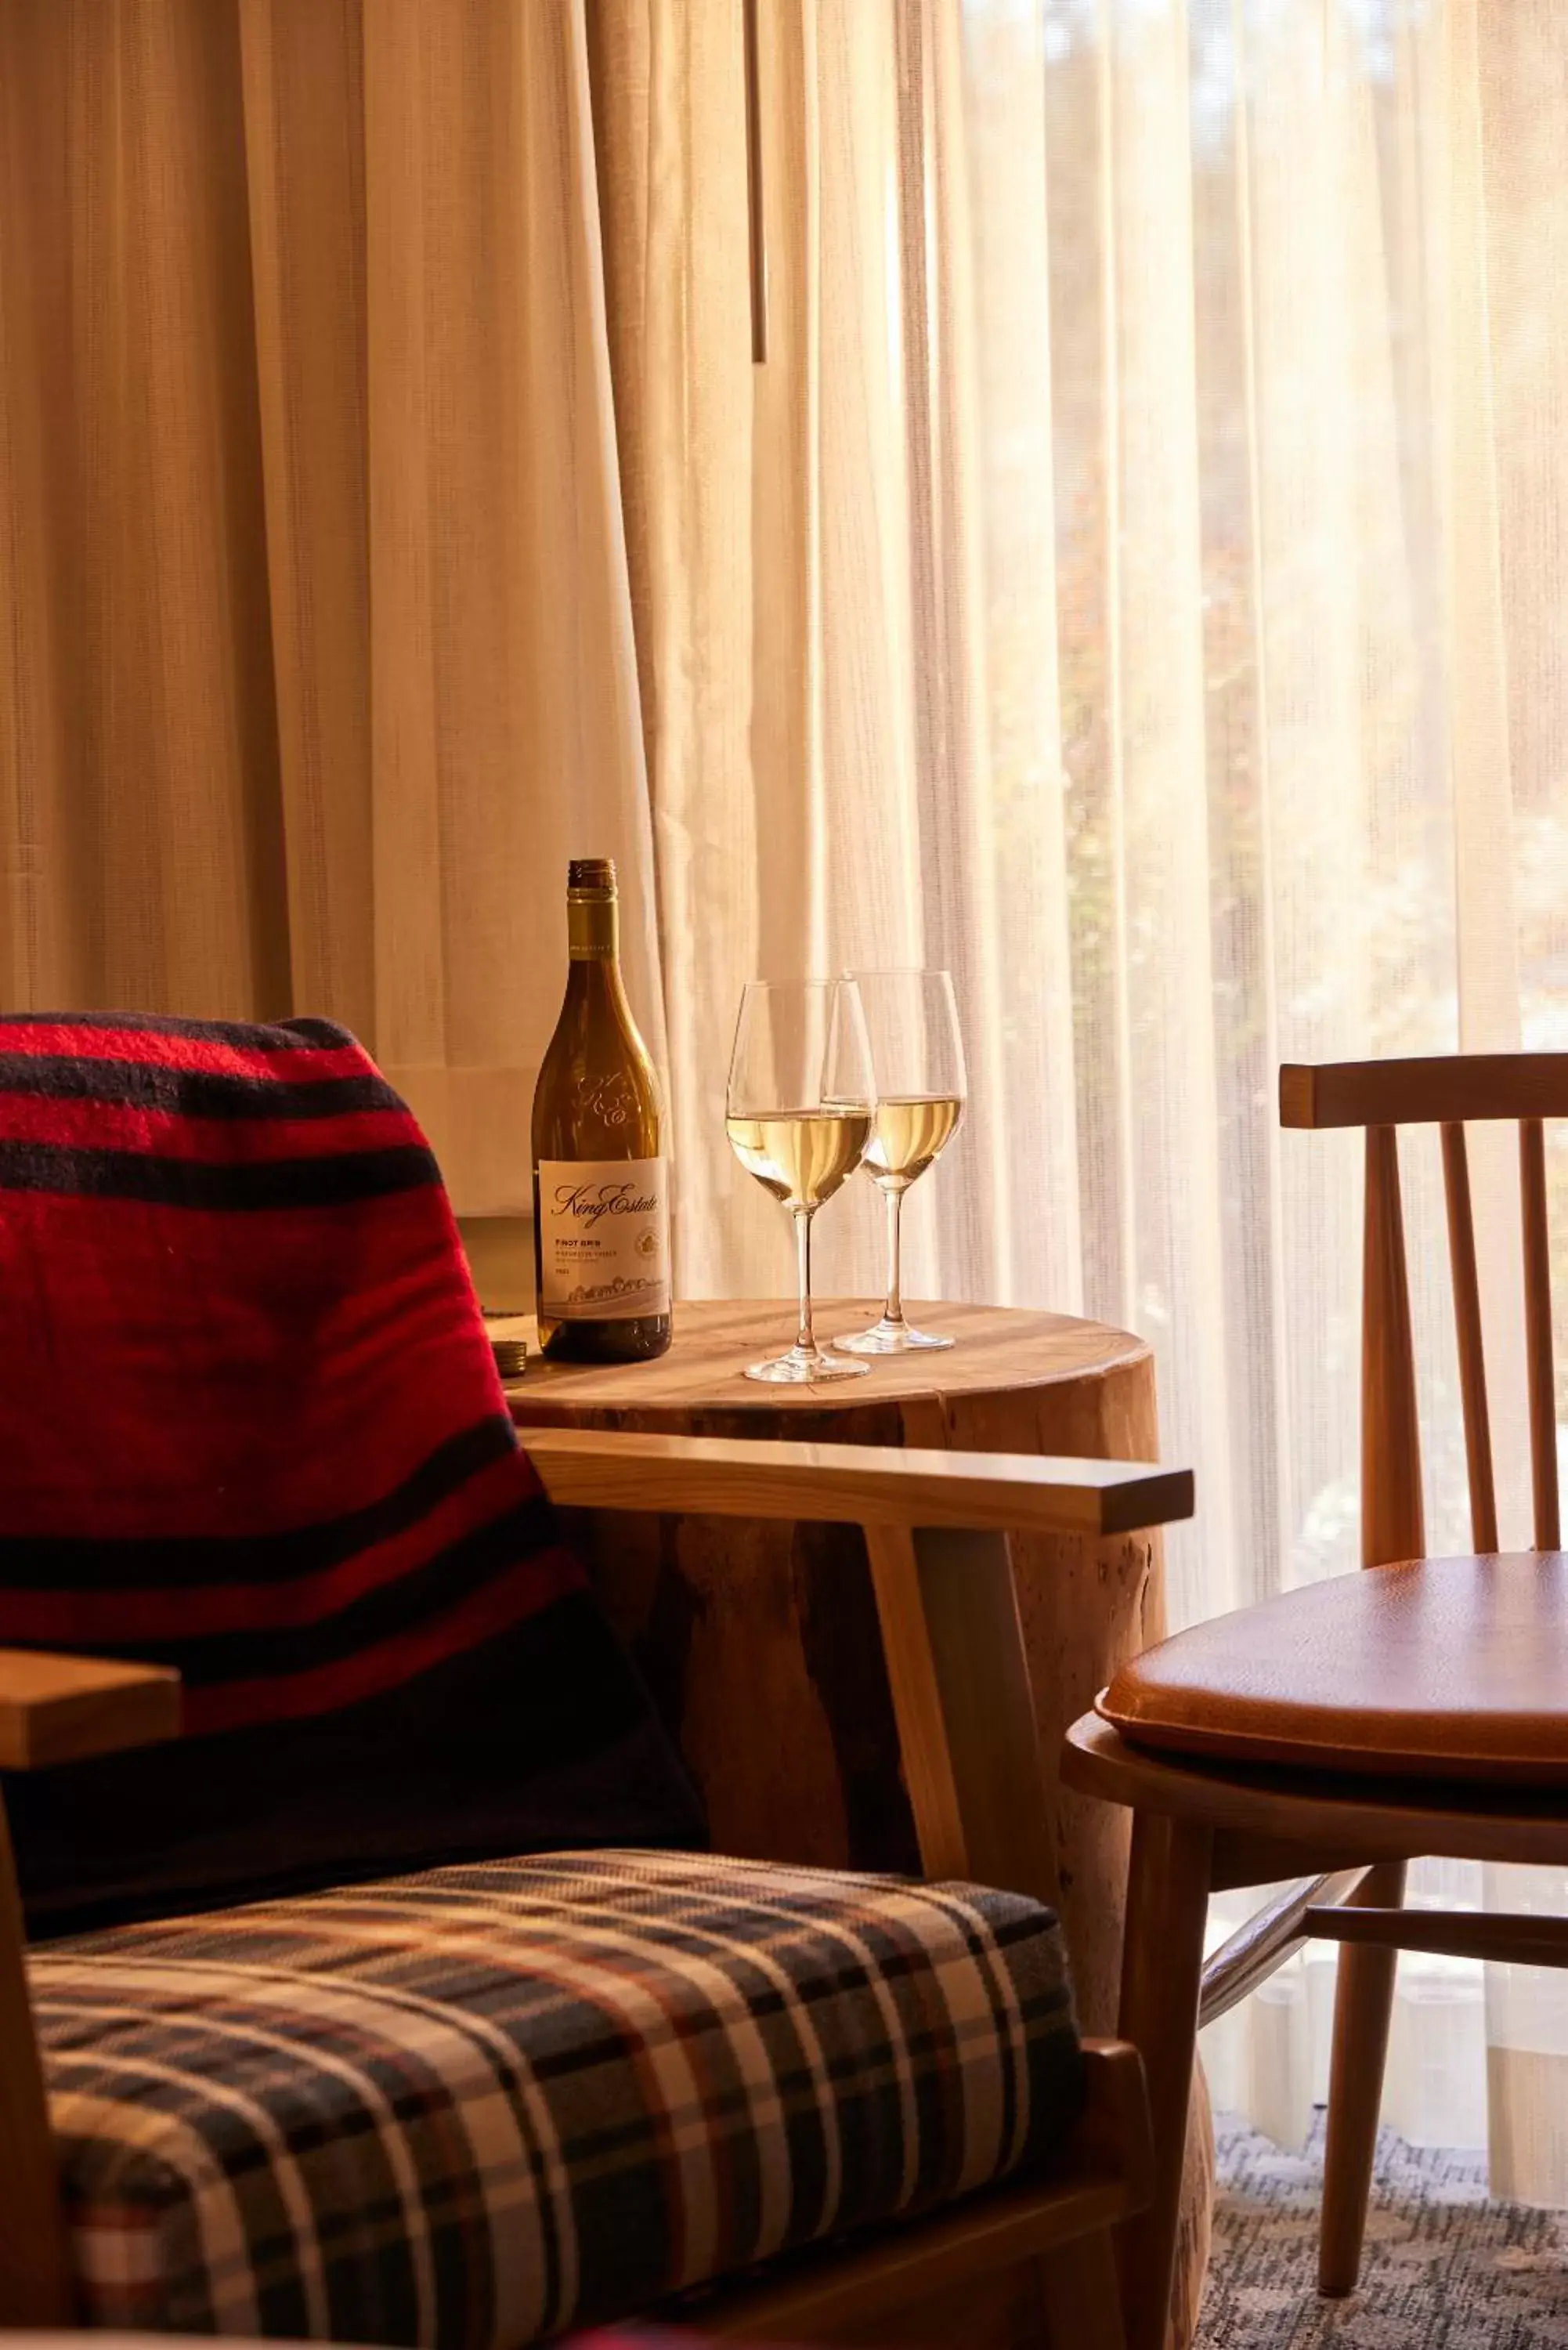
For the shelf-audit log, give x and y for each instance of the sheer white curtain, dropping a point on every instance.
(1135, 581)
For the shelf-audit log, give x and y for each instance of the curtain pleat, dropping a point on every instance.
(304, 100)
(670, 113)
(1019, 955)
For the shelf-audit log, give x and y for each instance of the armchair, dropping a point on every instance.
(377, 1991)
(1026, 2257)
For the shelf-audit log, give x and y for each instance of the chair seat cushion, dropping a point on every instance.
(1446, 1667)
(477, 2106)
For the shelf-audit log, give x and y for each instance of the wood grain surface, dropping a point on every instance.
(865, 1484)
(1432, 1089)
(58, 1708)
(996, 1349)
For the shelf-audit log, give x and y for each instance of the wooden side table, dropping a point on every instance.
(761, 1641)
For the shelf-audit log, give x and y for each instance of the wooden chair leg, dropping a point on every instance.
(1162, 1964)
(35, 2274)
(1083, 2300)
(1362, 2004)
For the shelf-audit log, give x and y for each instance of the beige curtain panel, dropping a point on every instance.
(318, 659)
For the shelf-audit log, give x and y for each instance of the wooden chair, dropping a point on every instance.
(1003, 2267)
(1336, 1733)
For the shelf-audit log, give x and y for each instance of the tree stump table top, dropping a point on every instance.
(998, 1351)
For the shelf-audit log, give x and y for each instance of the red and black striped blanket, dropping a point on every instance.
(250, 1426)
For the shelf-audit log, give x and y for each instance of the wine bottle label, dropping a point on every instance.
(604, 1238)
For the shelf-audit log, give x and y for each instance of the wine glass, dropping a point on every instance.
(798, 1116)
(917, 1055)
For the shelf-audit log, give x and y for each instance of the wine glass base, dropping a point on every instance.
(887, 1337)
(803, 1368)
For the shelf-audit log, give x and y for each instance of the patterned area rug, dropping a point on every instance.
(1445, 2269)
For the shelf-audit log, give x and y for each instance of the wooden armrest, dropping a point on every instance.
(869, 1484)
(65, 1709)
(1114, 2132)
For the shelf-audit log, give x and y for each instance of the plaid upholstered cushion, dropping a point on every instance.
(481, 2105)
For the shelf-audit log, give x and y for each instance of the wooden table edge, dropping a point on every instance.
(532, 1402)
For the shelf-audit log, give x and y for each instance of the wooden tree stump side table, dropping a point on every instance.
(760, 1643)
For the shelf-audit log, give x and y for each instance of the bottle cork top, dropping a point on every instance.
(591, 873)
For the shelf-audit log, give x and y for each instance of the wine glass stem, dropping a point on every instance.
(805, 1337)
(893, 1311)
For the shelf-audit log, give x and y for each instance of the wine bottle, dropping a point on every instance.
(601, 1188)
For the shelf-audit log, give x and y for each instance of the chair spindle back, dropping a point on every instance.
(1449, 1092)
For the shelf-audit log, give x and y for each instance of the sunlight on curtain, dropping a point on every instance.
(1145, 561)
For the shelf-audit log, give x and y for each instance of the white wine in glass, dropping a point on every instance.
(798, 1115)
(916, 1059)
(802, 1155)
